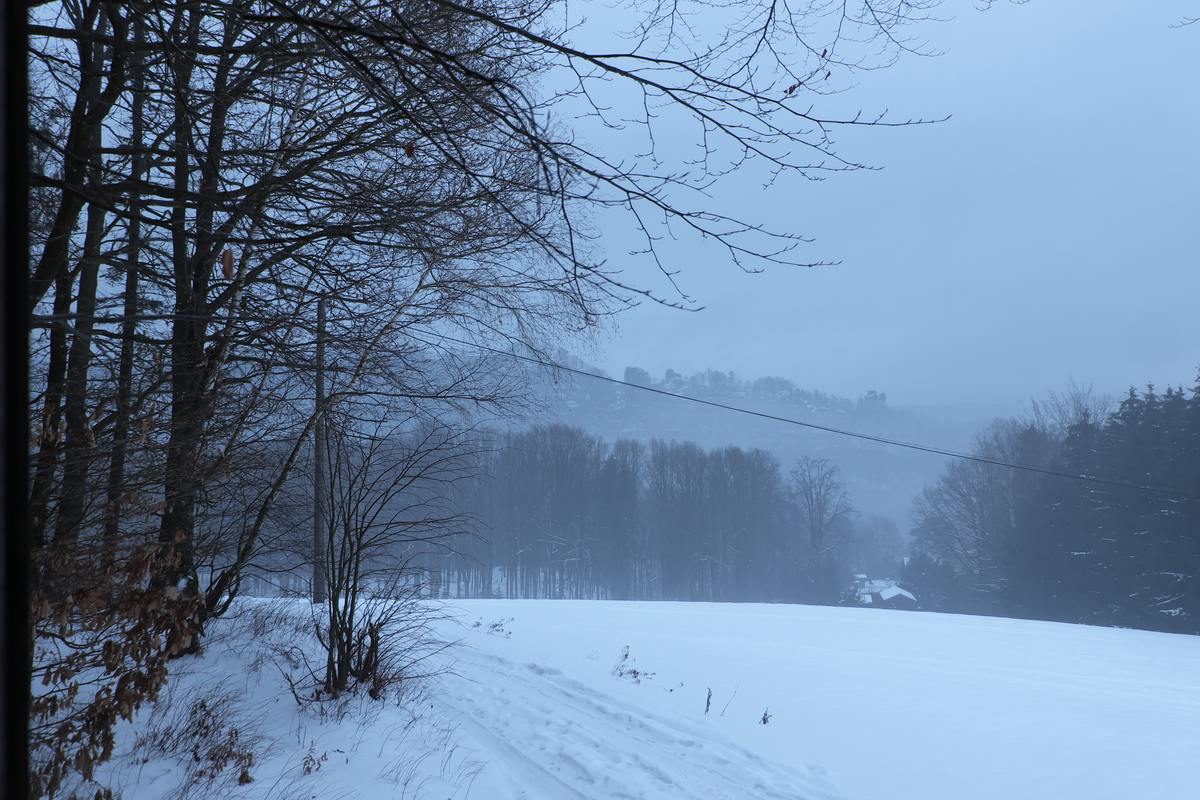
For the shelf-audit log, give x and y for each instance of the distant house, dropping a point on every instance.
(879, 593)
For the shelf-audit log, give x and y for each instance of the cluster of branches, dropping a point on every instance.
(389, 505)
(205, 172)
(565, 514)
(993, 540)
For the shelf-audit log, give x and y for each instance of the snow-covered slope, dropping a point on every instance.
(864, 704)
(894, 705)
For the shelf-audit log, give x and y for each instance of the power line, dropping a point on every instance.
(812, 425)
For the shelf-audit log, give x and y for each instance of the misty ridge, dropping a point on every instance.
(883, 481)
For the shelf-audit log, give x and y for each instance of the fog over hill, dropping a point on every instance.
(882, 479)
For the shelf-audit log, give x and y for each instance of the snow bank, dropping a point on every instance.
(542, 704)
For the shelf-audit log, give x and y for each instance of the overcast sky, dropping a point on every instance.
(1048, 231)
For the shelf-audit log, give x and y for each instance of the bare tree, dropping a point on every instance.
(389, 488)
(1075, 405)
(820, 495)
(968, 517)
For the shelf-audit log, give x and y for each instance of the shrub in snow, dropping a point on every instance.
(625, 668)
(312, 762)
(386, 507)
(496, 627)
(204, 732)
(103, 633)
(375, 648)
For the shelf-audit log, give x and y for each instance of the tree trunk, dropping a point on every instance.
(50, 438)
(120, 435)
(319, 477)
(190, 403)
(79, 445)
(77, 454)
(87, 115)
(180, 481)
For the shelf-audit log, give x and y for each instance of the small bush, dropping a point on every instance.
(626, 668)
(103, 633)
(206, 735)
(312, 762)
(496, 627)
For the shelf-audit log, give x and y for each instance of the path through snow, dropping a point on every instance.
(549, 737)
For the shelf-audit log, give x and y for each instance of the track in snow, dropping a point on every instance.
(549, 737)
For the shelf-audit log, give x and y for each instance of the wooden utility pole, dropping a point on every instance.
(319, 544)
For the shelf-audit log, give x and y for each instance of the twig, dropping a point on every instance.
(730, 700)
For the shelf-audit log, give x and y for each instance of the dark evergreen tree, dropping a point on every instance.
(1121, 550)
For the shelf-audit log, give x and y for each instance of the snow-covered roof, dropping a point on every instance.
(865, 590)
(895, 591)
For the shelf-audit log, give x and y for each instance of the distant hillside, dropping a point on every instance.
(881, 479)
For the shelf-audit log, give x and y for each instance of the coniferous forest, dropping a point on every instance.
(993, 540)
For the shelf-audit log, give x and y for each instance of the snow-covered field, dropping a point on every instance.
(864, 704)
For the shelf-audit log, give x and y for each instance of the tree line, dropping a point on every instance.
(560, 513)
(992, 540)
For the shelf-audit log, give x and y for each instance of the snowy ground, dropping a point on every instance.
(864, 705)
